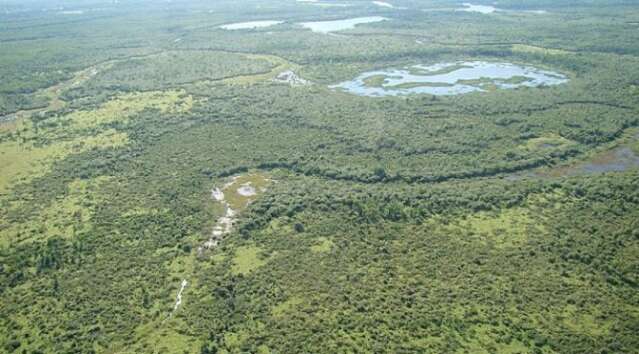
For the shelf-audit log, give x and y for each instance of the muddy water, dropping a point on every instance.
(618, 160)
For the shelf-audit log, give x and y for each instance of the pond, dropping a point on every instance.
(487, 9)
(449, 79)
(340, 25)
(482, 9)
(250, 25)
(618, 160)
(323, 4)
(383, 4)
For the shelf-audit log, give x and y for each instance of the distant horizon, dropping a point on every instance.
(319, 176)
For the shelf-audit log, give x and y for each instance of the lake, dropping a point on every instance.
(484, 9)
(383, 4)
(487, 9)
(618, 160)
(449, 79)
(340, 25)
(250, 25)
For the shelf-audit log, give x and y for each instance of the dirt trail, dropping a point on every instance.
(234, 197)
(178, 299)
(240, 190)
(224, 224)
(291, 78)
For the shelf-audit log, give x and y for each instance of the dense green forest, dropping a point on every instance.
(171, 186)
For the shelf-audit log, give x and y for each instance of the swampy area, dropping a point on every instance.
(330, 176)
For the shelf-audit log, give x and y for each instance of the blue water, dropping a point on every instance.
(450, 83)
(624, 159)
(250, 25)
(340, 25)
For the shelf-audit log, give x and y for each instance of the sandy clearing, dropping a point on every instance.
(217, 194)
(289, 77)
(246, 190)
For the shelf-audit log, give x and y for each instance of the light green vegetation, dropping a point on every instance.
(445, 70)
(486, 339)
(163, 337)
(284, 307)
(580, 322)
(324, 245)
(506, 229)
(510, 227)
(65, 218)
(255, 181)
(551, 141)
(22, 162)
(516, 80)
(122, 108)
(375, 80)
(524, 48)
(246, 260)
(635, 146)
(605, 154)
(409, 85)
(30, 148)
(484, 82)
(278, 65)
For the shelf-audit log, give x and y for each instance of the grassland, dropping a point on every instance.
(232, 190)
(246, 260)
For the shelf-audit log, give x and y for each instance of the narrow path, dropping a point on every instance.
(222, 227)
(224, 224)
(178, 299)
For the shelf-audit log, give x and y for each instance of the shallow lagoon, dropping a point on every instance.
(488, 9)
(483, 9)
(449, 79)
(250, 25)
(618, 160)
(383, 4)
(340, 25)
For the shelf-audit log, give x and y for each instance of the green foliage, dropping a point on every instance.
(246, 260)
(171, 69)
(461, 224)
